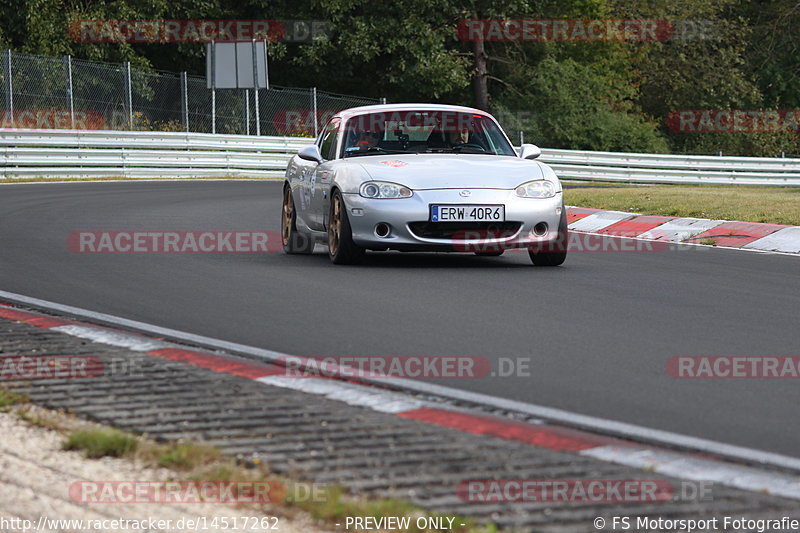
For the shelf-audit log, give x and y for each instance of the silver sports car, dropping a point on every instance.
(421, 177)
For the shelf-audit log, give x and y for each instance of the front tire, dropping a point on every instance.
(341, 248)
(548, 259)
(293, 241)
(552, 253)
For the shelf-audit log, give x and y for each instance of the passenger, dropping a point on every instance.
(436, 139)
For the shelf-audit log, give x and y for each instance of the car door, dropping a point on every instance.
(300, 172)
(321, 176)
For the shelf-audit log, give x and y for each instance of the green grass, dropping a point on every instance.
(186, 456)
(104, 442)
(44, 421)
(328, 504)
(9, 398)
(109, 442)
(775, 205)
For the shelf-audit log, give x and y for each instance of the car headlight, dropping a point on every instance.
(384, 189)
(537, 189)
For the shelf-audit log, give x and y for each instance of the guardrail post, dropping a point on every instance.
(68, 65)
(314, 107)
(9, 87)
(129, 87)
(185, 100)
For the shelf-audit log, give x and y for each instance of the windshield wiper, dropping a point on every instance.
(458, 150)
(374, 150)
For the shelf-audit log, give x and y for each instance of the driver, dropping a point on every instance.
(459, 136)
(367, 140)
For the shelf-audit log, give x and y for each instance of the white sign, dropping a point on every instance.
(237, 65)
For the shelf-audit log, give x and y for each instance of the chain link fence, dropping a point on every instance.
(65, 93)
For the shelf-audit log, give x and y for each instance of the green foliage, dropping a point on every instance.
(590, 95)
(571, 110)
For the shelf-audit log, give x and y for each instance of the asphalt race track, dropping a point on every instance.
(599, 330)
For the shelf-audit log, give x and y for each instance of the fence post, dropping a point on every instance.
(521, 138)
(255, 87)
(314, 107)
(213, 87)
(247, 110)
(382, 100)
(9, 87)
(68, 63)
(266, 64)
(185, 100)
(129, 84)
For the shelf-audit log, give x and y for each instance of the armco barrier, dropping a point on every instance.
(143, 154)
(664, 168)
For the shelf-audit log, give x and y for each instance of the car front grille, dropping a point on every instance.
(464, 230)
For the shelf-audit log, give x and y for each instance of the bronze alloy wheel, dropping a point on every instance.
(287, 218)
(293, 241)
(341, 248)
(335, 224)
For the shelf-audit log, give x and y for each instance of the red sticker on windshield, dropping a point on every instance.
(394, 163)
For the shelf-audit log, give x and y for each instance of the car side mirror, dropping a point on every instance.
(529, 151)
(310, 153)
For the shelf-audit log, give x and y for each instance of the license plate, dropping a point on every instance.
(467, 213)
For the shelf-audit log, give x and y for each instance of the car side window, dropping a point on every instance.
(329, 139)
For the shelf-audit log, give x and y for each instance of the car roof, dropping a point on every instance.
(353, 111)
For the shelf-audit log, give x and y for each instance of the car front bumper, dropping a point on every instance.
(409, 228)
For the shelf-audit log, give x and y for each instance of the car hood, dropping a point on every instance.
(450, 171)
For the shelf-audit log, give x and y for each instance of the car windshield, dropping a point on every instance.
(398, 132)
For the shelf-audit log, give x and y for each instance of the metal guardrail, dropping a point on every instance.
(142, 154)
(665, 168)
